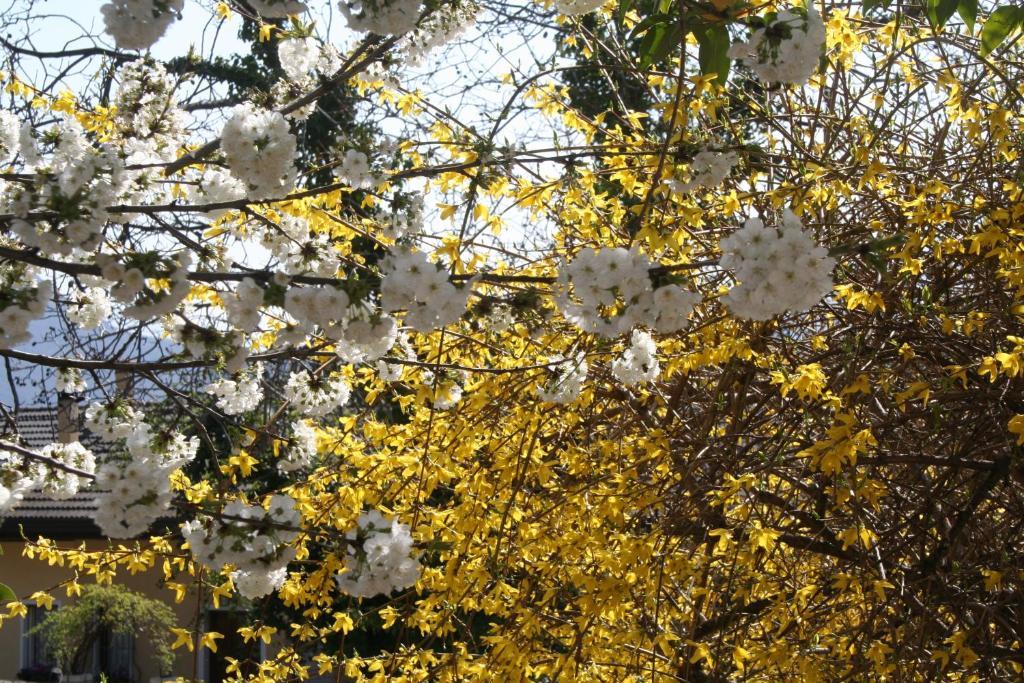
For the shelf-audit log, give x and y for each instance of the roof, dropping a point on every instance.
(37, 427)
(36, 505)
(38, 514)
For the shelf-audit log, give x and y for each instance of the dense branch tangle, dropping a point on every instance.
(824, 492)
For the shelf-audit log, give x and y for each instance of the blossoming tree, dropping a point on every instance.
(727, 387)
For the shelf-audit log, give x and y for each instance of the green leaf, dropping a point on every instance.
(713, 53)
(968, 11)
(649, 23)
(872, 4)
(1000, 24)
(650, 44)
(6, 594)
(939, 11)
(668, 43)
(623, 10)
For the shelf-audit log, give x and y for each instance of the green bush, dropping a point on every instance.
(71, 631)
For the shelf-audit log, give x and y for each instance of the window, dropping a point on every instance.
(34, 655)
(227, 622)
(112, 656)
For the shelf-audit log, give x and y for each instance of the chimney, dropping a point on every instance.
(67, 418)
(122, 383)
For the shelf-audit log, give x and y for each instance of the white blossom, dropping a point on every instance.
(413, 283)
(301, 448)
(260, 150)
(300, 250)
(13, 483)
(69, 381)
(239, 395)
(639, 362)
(354, 170)
(316, 397)
(20, 306)
(137, 24)
(671, 306)
(112, 421)
(567, 376)
(383, 17)
(379, 558)
(10, 136)
(253, 540)
(278, 9)
(244, 306)
(89, 309)
(136, 485)
(298, 56)
(365, 335)
(779, 269)
(574, 8)
(216, 187)
(787, 49)
(708, 169)
(611, 290)
(58, 483)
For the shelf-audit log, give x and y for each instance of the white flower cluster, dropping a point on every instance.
(422, 289)
(216, 187)
(708, 169)
(251, 539)
(69, 381)
(567, 378)
(260, 150)
(205, 342)
(82, 180)
(446, 390)
(13, 484)
(639, 362)
(578, 7)
(365, 336)
(379, 559)
(323, 305)
(316, 396)
(406, 216)
(383, 17)
(149, 122)
(301, 450)
(779, 269)
(10, 136)
(131, 287)
(278, 9)
(298, 56)
(440, 28)
(300, 250)
(239, 395)
(21, 305)
(786, 49)
(55, 482)
(137, 488)
(112, 421)
(392, 372)
(244, 307)
(354, 170)
(612, 293)
(574, 8)
(671, 309)
(90, 308)
(612, 289)
(137, 24)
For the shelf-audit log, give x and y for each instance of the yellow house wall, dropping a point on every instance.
(27, 576)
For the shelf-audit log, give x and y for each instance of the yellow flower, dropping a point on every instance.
(184, 638)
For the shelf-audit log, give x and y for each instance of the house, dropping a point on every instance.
(70, 523)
